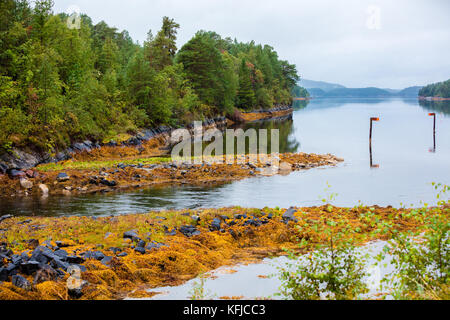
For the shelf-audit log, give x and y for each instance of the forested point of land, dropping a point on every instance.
(60, 84)
(439, 89)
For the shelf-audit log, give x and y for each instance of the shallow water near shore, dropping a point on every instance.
(403, 165)
(260, 280)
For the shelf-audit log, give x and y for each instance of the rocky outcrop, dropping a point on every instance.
(280, 112)
(22, 160)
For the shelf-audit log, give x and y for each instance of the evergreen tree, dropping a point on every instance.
(246, 96)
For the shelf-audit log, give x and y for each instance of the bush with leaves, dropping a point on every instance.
(421, 260)
(334, 270)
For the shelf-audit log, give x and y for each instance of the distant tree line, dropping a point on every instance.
(60, 84)
(300, 92)
(440, 89)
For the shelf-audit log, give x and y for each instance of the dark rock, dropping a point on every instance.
(46, 273)
(196, 219)
(186, 214)
(59, 264)
(115, 250)
(4, 274)
(21, 282)
(62, 254)
(240, 216)
(122, 254)
(189, 231)
(62, 177)
(140, 250)
(109, 183)
(24, 221)
(106, 260)
(62, 244)
(215, 224)
(171, 232)
(98, 255)
(16, 174)
(75, 259)
(4, 217)
(30, 267)
(141, 243)
(289, 215)
(131, 235)
(12, 268)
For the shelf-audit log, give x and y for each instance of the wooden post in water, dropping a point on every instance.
(370, 142)
(432, 114)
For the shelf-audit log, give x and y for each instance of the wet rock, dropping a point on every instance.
(122, 254)
(62, 177)
(106, 260)
(131, 235)
(26, 184)
(46, 273)
(215, 224)
(25, 221)
(140, 250)
(98, 255)
(21, 282)
(240, 216)
(189, 231)
(289, 215)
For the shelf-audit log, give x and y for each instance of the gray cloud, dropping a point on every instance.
(327, 39)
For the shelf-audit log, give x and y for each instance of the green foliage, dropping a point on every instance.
(422, 262)
(60, 85)
(440, 89)
(335, 270)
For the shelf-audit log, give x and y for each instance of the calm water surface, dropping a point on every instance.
(403, 165)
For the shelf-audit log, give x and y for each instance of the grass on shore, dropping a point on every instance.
(98, 164)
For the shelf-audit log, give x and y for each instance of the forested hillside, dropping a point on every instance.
(60, 84)
(440, 89)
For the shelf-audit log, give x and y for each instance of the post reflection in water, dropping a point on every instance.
(370, 143)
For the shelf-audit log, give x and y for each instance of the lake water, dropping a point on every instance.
(261, 280)
(403, 165)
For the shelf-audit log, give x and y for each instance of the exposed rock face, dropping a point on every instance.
(62, 177)
(26, 184)
(43, 188)
(20, 159)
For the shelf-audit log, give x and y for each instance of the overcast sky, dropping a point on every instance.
(357, 43)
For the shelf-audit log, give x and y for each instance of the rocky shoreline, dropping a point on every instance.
(117, 257)
(121, 174)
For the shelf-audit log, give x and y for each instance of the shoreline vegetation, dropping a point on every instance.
(123, 256)
(88, 175)
(62, 85)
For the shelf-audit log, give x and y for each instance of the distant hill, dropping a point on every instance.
(321, 89)
(325, 86)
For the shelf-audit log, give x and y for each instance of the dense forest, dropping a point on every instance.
(300, 92)
(60, 84)
(440, 89)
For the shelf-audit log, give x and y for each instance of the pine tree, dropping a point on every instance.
(246, 96)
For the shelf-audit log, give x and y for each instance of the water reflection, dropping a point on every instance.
(337, 126)
(442, 107)
(287, 143)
